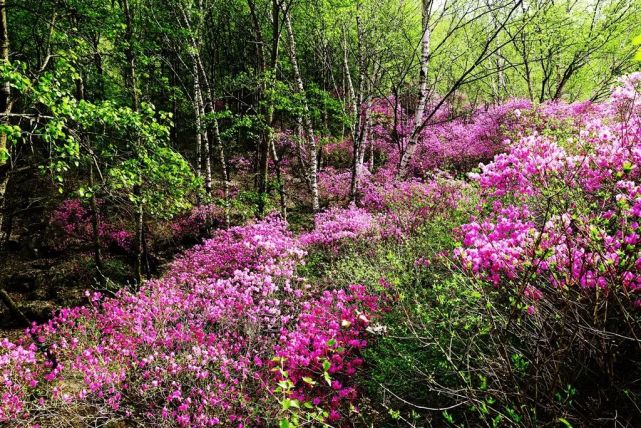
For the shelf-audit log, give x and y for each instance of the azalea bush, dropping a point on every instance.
(525, 312)
(556, 241)
(199, 346)
(74, 220)
(337, 227)
(564, 213)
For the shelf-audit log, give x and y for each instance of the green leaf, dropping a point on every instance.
(328, 378)
(565, 422)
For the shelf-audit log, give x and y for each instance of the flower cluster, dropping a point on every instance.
(194, 347)
(564, 212)
(496, 246)
(197, 222)
(404, 206)
(321, 353)
(338, 226)
(75, 221)
(19, 374)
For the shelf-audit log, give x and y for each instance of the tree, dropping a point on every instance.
(304, 119)
(467, 19)
(5, 110)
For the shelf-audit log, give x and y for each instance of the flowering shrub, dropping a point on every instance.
(404, 206)
(318, 358)
(197, 222)
(20, 374)
(565, 211)
(338, 226)
(196, 347)
(334, 184)
(75, 221)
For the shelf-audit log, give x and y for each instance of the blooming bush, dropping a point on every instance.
(556, 235)
(196, 348)
(318, 358)
(75, 221)
(564, 210)
(20, 374)
(197, 222)
(404, 206)
(338, 226)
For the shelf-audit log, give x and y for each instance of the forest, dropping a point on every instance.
(320, 213)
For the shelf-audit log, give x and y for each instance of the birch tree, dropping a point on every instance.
(305, 120)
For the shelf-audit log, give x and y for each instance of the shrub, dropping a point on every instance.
(197, 347)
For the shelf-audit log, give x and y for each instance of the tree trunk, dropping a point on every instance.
(135, 105)
(422, 100)
(223, 168)
(281, 184)
(264, 143)
(95, 225)
(15, 310)
(95, 215)
(305, 120)
(5, 107)
(130, 56)
(139, 237)
(354, 108)
(199, 125)
(360, 115)
(208, 107)
(215, 131)
(370, 165)
(203, 147)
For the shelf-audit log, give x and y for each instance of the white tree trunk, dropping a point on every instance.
(410, 149)
(208, 107)
(197, 113)
(360, 115)
(305, 119)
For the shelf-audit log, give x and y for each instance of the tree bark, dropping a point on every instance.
(305, 118)
(422, 100)
(135, 106)
(360, 115)
(215, 133)
(281, 184)
(208, 107)
(203, 147)
(501, 82)
(95, 225)
(130, 55)
(95, 215)
(265, 137)
(5, 109)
